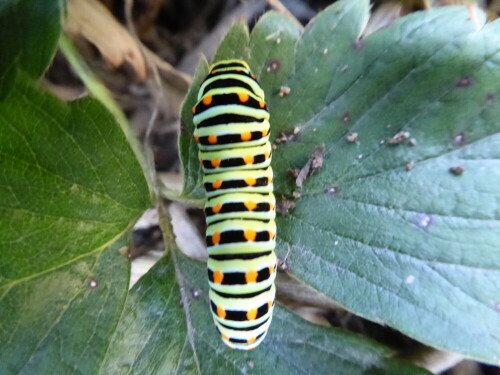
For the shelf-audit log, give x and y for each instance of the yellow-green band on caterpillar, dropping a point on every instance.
(232, 132)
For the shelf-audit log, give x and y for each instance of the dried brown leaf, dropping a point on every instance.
(94, 22)
(315, 162)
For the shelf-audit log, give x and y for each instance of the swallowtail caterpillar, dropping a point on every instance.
(232, 132)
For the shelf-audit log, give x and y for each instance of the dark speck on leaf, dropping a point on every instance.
(465, 82)
(457, 170)
(423, 221)
(346, 117)
(274, 66)
(490, 98)
(459, 139)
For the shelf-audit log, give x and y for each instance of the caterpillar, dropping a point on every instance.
(232, 132)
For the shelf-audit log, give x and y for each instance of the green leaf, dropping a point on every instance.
(235, 44)
(29, 31)
(70, 188)
(152, 336)
(188, 148)
(70, 183)
(167, 329)
(59, 322)
(418, 249)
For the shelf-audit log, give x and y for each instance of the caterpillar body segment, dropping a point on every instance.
(240, 181)
(237, 159)
(232, 132)
(243, 206)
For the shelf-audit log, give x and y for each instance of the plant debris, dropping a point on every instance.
(315, 162)
(284, 205)
(92, 20)
(459, 139)
(274, 66)
(288, 136)
(457, 170)
(352, 137)
(294, 172)
(464, 82)
(331, 190)
(399, 138)
(284, 90)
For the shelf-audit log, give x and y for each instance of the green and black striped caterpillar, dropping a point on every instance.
(232, 132)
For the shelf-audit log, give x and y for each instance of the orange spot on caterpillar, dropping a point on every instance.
(193, 109)
(250, 235)
(269, 304)
(216, 208)
(217, 184)
(221, 313)
(262, 104)
(250, 205)
(250, 181)
(265, 132)
(251, 339)
(212, 139)
(218, 277)
(207, 100)
(269, 180)
(271, 270)
(253, 76)
(246, 136)
(216, 238)
(243, 97)
(215, 163)
(271, 206)
(248, 159)
(197, 138)
(251, 276)
(266, 154)
(271, 235)
(224, 336)
(201, 161)
(251, 314)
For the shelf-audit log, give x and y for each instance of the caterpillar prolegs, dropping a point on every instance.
(232, 132)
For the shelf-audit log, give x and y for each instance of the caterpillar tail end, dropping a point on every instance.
(250, 344)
